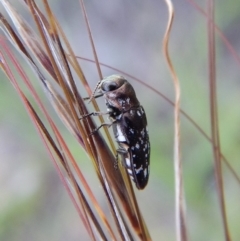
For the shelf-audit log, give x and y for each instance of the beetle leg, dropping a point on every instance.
(94, 114)
(103, 124)
(122, 152)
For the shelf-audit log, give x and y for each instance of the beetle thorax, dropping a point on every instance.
(123, 98)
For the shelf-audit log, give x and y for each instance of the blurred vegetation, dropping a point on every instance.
(128, 36)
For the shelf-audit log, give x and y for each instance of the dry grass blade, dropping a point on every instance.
(69, 105)
(214, 117)
(179, 190)
(91, 39)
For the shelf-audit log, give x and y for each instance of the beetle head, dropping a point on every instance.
(118, 92)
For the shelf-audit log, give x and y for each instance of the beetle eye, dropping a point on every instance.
(109, 86)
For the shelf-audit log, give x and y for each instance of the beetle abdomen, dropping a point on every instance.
(135, 123)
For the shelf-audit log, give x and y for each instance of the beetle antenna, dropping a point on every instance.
(92, 96)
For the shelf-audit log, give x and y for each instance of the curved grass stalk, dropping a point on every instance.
(181, 224)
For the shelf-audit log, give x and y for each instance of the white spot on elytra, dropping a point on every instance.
(137, 146)
(145, 172)
(128, 100)
(139, 169)
(131, 130)
(134, 156)
(131, 112)
(139, 113)
(132, 148)
(129, 171)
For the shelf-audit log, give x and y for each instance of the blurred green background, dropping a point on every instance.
(128, 35)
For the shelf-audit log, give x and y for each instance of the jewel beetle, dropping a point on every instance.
(129, 123)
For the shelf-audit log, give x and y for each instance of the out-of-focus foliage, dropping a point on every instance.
(128, 36)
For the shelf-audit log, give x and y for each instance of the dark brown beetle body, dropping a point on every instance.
(129, 123)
